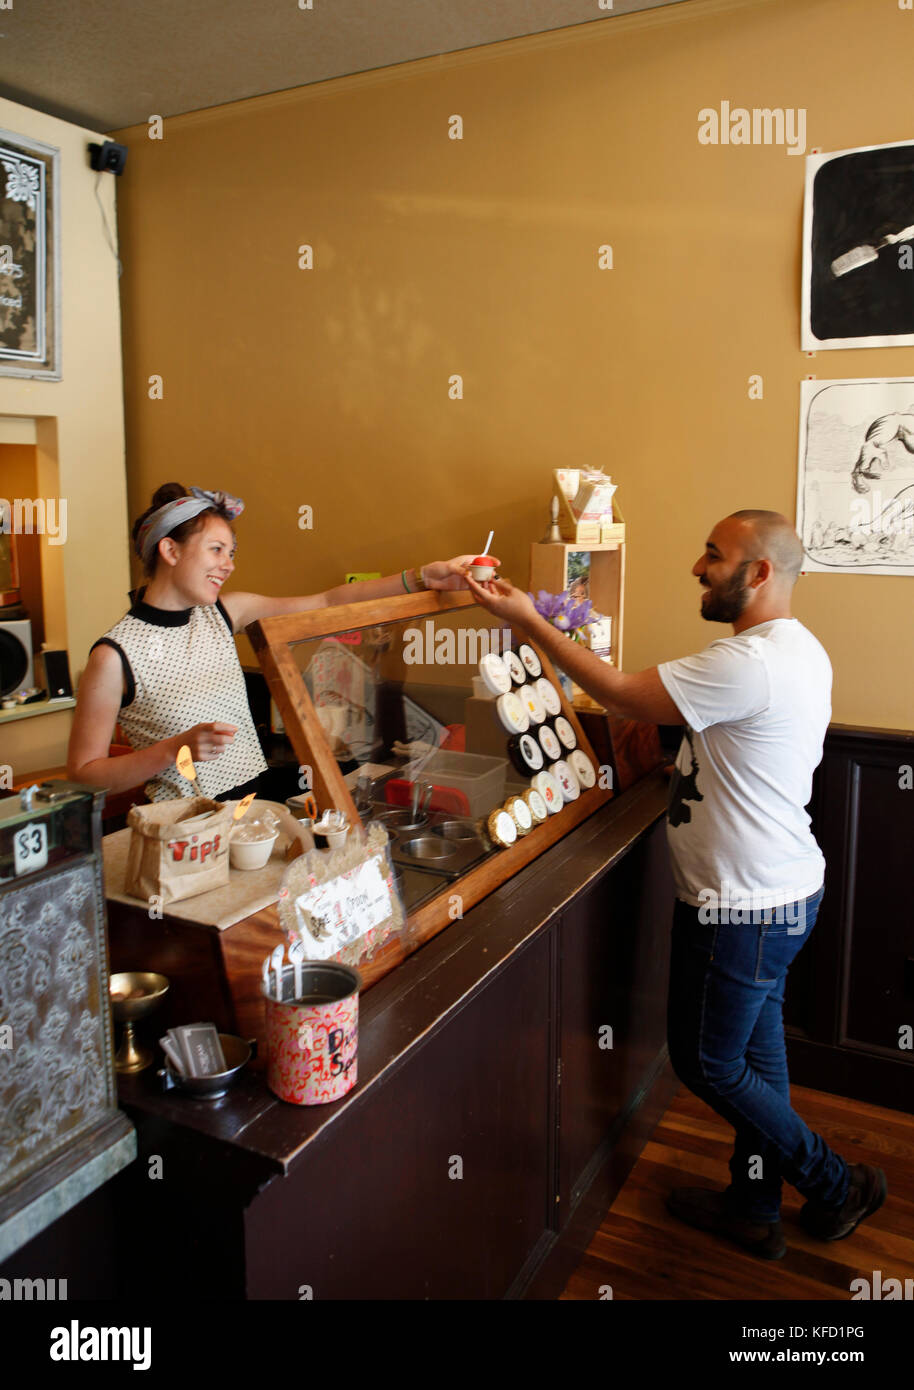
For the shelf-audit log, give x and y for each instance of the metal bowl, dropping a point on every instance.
(135, 993)
(428, 847)
(237, 1054)
(456, 830)
(403, 820)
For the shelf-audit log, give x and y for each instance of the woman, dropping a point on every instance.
(169, 672)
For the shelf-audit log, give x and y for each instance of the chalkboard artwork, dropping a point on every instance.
(858, 282)
(28, 258)
(855, 489)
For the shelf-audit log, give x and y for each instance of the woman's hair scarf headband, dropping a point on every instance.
(164, 519)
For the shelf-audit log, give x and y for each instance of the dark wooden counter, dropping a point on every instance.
(484, 1047)
(488, 1107)
(490, 1127)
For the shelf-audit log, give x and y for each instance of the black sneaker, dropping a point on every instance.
(711, 1211)
(867, 1192)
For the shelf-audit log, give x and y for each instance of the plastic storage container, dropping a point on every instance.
(481, 779)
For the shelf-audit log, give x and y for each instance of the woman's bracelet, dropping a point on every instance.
(420, 582)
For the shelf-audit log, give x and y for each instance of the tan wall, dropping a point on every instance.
(330, 387)
(18, 473)
(36, 744)
(80, 427)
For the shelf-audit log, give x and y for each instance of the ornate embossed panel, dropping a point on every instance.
(54, 1018)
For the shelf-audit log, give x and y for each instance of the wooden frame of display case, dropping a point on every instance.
(271, 639)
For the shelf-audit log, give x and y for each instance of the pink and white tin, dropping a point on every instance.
(312, 1040)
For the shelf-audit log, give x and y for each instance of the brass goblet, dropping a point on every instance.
(134, 994)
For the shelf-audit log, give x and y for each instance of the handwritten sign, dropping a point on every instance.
(333, 914)
(30, 848)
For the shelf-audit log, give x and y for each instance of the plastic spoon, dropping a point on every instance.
(240, 810)
(488, 543)
(185, 763)
(297, 956)
(276, 966)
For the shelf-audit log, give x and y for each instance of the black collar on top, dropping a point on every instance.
(159, 617)
(166, 617)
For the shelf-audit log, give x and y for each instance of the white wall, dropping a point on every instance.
(79, 420)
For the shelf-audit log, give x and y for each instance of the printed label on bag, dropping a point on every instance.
(193, 851)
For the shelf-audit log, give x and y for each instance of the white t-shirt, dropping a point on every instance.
(756, 708)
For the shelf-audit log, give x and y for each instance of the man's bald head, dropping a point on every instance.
(770, 536)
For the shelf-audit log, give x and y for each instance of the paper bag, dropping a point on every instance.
(178, 848)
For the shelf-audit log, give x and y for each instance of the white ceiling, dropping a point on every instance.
(106, 64)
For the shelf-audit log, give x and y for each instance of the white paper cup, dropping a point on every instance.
(251, 854)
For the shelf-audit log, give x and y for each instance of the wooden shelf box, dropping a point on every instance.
(549, 571)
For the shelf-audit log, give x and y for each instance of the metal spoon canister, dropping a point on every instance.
(312, 1040)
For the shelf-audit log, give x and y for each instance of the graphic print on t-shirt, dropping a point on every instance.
(683, 788)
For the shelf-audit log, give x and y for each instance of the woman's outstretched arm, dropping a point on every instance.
(244, 608)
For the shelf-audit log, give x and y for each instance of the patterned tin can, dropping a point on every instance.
(312, 1036)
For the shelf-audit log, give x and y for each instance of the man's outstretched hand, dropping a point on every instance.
(500, 597)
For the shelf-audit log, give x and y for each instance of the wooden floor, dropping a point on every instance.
(645, 1253)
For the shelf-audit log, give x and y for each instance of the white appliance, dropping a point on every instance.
(17, 668)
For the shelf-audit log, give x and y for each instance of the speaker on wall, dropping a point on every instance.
(16, 666)
(57, 675)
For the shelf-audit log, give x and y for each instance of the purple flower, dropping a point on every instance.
(546, 604)
(562, 611)
(581, 614)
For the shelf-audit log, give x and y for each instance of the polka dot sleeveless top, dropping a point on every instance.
(181, 668)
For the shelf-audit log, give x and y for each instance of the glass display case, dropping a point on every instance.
(424, 714)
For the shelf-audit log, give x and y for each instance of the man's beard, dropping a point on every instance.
(727, 604)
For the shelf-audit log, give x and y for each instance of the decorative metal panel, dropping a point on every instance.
(56, 1079)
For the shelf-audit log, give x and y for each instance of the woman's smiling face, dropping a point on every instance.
(204, 561)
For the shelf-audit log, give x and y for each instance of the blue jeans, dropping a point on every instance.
(726, 1038)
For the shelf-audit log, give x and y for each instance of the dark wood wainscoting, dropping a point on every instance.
(850, 996)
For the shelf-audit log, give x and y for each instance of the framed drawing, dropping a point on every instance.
(858, 248)
(855, 484)
(29, 258)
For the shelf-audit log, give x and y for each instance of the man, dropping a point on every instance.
(748, 872)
